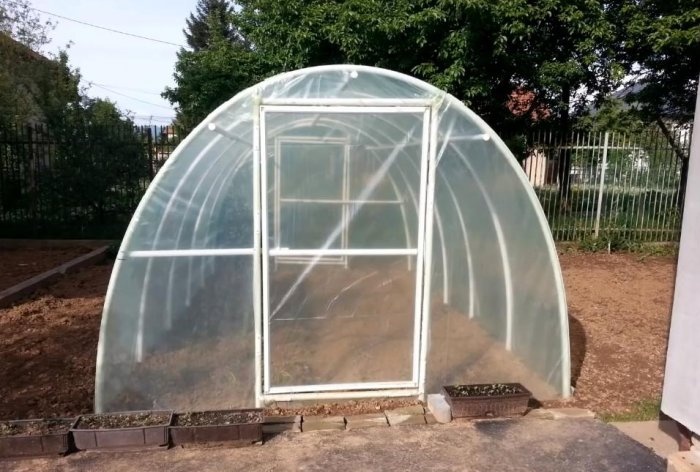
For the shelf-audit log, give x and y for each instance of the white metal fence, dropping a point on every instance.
(621, 186)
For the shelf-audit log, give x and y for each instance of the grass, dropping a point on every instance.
(643, 410)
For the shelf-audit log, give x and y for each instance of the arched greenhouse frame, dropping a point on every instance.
(333, 232)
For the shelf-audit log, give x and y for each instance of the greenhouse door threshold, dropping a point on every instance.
(344, 194)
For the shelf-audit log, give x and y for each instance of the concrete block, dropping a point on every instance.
(683, 462)
(439, 407)
(282, 419)
(276, 428)
(401, 420)
(571, 413)
(407, 410)
(318, 423)
(366, 421)
(430, 418)
(539, 414)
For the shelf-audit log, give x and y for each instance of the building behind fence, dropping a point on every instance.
(86, 183)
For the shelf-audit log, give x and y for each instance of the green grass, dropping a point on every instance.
(644, 410)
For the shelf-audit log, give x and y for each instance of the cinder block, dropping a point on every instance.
(366, 421)
(401, 420)
(439, 407)
(683, 462)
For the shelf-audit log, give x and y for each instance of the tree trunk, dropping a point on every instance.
(682, 156)
(564, 152)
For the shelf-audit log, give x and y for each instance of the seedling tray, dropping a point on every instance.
(155, 434)
(485, 405)
(231, 427)
(55, 441)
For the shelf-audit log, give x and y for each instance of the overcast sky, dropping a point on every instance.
(134, 70)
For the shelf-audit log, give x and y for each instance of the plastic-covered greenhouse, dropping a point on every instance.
(333, 232)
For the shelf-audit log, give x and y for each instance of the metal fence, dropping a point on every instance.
(610, 184)
(81, 181)
(86, 182)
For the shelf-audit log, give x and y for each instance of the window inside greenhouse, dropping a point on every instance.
(333, 232)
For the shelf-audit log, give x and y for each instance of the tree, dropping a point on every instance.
(211, 18)
(205, 79)
(19, 21)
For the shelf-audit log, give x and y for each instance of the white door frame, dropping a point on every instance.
(264, 392)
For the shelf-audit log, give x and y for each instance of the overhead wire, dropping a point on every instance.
(130, 97)
(112, 30)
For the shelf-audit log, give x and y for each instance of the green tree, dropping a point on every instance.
(211, 18)
(20, 22)
(205, 79)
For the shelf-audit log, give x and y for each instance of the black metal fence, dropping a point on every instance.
(86, 182)
(80, 182)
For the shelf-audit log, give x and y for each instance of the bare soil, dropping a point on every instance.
(619, 309)
(20, 264)
(34, 428)
(619, 318)
(122, 420)
(207, 418)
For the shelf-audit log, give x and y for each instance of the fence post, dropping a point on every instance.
(149, 136)
(602, 185)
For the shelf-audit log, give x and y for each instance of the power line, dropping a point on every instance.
(130, 97)
(107, 29)
(148, 92)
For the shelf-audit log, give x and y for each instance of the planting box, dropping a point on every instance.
(487, 400)
(233, 427)
(132, 429)
(31, 438)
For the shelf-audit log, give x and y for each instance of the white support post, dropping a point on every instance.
(257, 269)
(596, 231)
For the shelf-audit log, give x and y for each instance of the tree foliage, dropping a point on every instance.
(19, 21)
(211, 19)
(663, 37)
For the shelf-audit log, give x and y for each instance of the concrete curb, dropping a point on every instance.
(23, 289)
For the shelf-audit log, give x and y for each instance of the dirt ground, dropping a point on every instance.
(18, 265)
(619, 308)
(619, 315)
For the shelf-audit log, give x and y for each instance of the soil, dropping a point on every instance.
(20, 264)
(491, 390)
(619, 308)
(48, 347)
(34, 428)
(619, 318)
(208, 418)
(123, 420)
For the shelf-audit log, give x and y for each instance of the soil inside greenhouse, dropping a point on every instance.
(619, 308)
(20, 264)
(122, 420)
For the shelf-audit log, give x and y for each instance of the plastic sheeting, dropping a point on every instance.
(339, 274)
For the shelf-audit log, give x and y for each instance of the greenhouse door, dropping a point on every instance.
(343, 208)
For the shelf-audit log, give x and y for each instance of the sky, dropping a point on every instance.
(129, 71)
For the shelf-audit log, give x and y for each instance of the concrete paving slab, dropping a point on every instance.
(660, 436)
(366, 421)
(569, 413)
(406, 410)
(688, 461)
(516, 445)
(276, 428)
(319, 423)
(405, 420)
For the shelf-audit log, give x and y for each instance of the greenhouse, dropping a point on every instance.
(333, 232)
